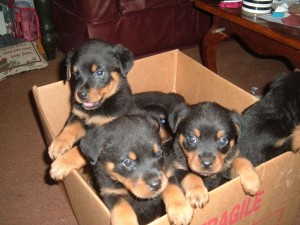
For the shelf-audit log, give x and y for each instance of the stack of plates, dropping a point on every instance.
(257, 6)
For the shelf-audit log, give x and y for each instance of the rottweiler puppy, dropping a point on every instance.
(100, 93)
(271, 126)
(206, 135)
(135, 172)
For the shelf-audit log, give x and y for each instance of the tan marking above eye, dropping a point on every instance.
(94, 68)
(155, 148)
(181, 139)
(197, 133)
(109, 166)
(231, 143)
(132, 156)
(220, 134)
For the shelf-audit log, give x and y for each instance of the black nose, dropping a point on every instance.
(207, 164)
(155, 184)
(82, 95)
(207, 161)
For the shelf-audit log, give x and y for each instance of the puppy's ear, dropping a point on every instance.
(124, 57)
(179, 112)
(92, 144)
(237, 120)
(68, 64)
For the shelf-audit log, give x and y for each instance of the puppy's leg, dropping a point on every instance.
(71, 133)
(62, 166)
(195, 190)
(250, 179)
(178, 208)
(122, 214)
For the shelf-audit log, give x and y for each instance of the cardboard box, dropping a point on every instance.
(277, 203)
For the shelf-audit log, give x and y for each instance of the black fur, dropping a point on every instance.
(208, 119)
(113, 143)
(271, 119)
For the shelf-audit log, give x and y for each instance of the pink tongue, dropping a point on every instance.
(88, 104)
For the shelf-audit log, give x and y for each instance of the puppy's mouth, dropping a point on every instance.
(205, 173)
(91, 105)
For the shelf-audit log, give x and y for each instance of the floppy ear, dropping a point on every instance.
(179, 112)
(237, 120)
(92, 144)
(68, 64)
(124, 57)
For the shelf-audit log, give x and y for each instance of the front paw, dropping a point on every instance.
(58, 147)
(180, 213)
(60, 168)
(198, 196)
(251, 183)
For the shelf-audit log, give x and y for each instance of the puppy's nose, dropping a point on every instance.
(207, 164)
(82, 95)
(155, 184)
(207, 161)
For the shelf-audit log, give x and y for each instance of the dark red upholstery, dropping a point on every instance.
(143, 26)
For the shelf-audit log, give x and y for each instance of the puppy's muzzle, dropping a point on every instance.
(82, 95)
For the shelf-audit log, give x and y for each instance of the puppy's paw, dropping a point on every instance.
(61, 168)
(180, 213)
(251, 182)
(58, 147)
(195, 190)
(198, 196)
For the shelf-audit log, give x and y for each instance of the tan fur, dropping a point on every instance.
(296, 139)
(61, 167)
(178, 208)
(250, 179)
(195, 190)
(122, 213)
(66, 139)
(116, 191)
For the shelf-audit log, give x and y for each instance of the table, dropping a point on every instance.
(263, 37)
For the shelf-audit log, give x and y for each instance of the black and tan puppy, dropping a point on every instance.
(133, 170)
(271, 126)
(206, 139)
(101, 93)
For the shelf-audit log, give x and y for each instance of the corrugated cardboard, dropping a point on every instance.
(277, 203)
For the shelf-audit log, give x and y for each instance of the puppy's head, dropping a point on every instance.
(206, 132)
(98, 70)
(129, 151)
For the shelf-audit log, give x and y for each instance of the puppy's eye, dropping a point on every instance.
(163, 120)
(158, 154)
(192, 139)
(99, 73)
(128, 163)
(75, 74)
(223, 141)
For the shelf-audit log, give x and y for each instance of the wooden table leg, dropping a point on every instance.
(210, 42)
(43, 9)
